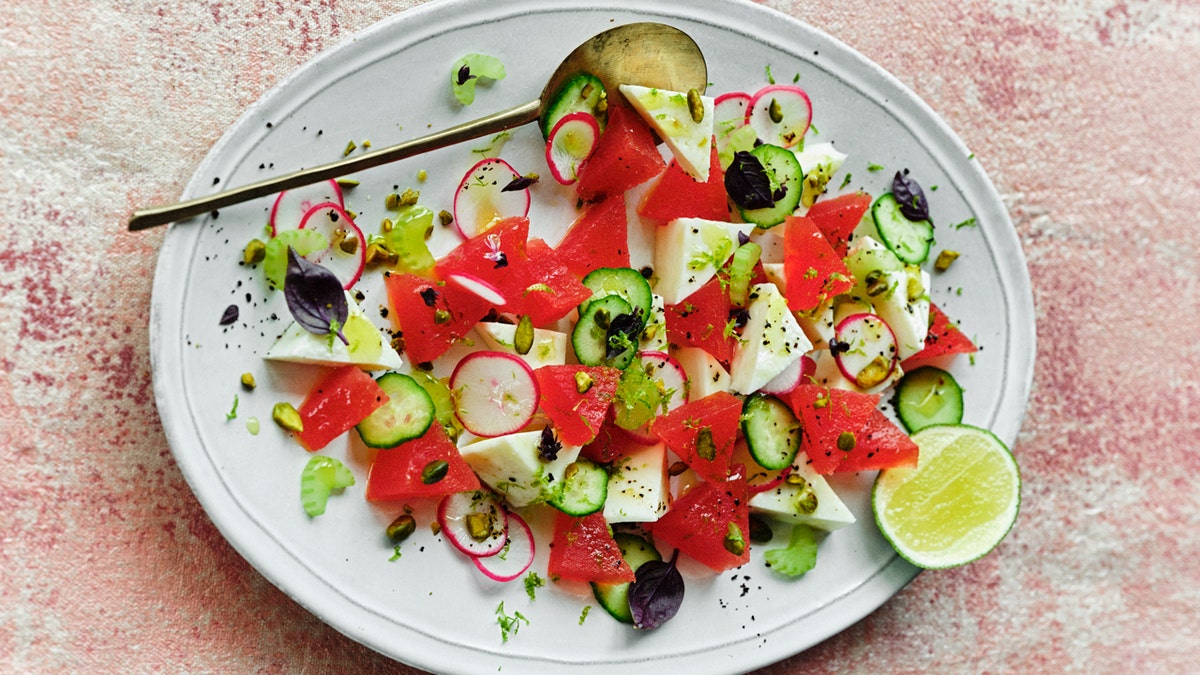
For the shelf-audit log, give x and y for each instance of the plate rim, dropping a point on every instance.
(864, 598)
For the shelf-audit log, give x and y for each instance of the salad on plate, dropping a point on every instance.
(728, 322)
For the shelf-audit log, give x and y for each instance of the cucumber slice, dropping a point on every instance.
(582, 92)
(407, 414)
(583, 489)
(909, 240)
(599, 338)
(787, 184)
(443, 401)
(614, 598)
(627, 283)
(928, 396)
(772, 431)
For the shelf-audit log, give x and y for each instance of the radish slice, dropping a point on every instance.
(775, 482)
(483, 289)
(864, 348)
(729, 113)
(475, 511)
(780, 114)
(786, 380)
(481, 200)
(664, 369)
(346, 254)
(290, 206)
(670, 376)
(516, 557)
(494, 393)
(572, 140)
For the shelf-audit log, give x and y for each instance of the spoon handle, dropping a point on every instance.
(507, 119)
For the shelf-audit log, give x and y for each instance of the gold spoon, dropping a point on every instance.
(649, 54)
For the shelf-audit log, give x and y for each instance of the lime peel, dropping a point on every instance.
(956, 505)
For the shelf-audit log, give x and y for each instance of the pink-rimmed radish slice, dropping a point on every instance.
(780, 114)
(346, 254)
(291, 205)
(771, 484)
(479, 287)
(572, 140)
(481, 199)
(791, 377)
(474, 522)
(672, 380)
(729, 114)
(864, 348)
(516, 557)
(494, 393)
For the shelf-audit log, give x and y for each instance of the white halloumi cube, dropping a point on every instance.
(510, 465)
(689, 251)
(705, 373)
(654, 335)
(898, 293)
(906, 309)
(770, 341)
(818, 322)
(804, 498)
(549, 347)
(368, 349)
(670, 115)
(638, 490)
(816, 155)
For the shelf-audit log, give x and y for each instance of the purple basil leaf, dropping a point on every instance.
(656, 593)
(910, 197)
(519, 183)
(230, 315)
(747, 183)
(315, 297)
(464, 74)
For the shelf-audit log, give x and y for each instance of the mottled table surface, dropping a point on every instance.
(1084, 114)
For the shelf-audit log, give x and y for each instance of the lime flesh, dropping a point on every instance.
(958, 503)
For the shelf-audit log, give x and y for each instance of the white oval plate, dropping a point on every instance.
(431, 608)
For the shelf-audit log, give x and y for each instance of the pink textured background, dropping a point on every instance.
(1084, 112)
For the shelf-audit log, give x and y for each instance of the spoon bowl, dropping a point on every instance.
(647, 54)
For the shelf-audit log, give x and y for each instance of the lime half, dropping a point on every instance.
(956, 505)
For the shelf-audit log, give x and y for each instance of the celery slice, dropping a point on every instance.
(320, 477)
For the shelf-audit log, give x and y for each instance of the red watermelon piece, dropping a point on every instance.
(341, 399)
(583, 549)
(812, 268)
(944, 338)
(598, 238)
(717, 416)
(576, 417)
(700, 522)
(845, 431)
(700, 320)
(396, 473)
(492, 256)
(610, 443)
(543, 288)
(431, 315)
(880, 444)
(626, 156)
(678, 195)
(836, 218)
